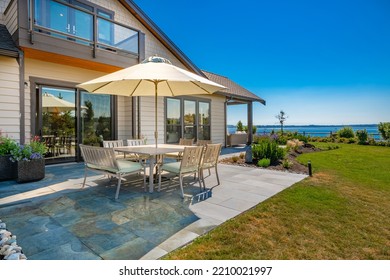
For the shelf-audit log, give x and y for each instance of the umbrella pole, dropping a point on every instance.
(155, 113)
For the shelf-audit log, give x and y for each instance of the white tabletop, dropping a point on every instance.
(151, 149)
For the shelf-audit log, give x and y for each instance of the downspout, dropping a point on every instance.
(22, 129)
(250, 122)
(225, 116)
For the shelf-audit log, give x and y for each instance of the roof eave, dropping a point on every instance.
(237, 97)
(9, 53)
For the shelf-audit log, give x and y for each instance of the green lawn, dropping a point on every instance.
(342, 212)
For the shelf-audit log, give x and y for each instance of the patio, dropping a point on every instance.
(56, 219)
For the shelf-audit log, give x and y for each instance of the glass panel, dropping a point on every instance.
(96, 118)
(59, 122)
(59, 18)
(204, 133)
(204, 113)
(173, 134)
(189, 112)
(117, 36)
(82, 27)
(173, 111)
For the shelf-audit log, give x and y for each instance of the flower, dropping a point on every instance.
(33, 150)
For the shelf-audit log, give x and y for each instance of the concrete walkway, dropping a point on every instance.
(56, 219)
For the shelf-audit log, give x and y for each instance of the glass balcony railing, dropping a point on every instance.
(79, 24)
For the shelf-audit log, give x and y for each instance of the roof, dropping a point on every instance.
(160, 35)
(7, 45)
(233, 89)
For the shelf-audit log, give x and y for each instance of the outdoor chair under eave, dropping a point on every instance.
(137, 157)
(114, 144)
(210, 160)
(189, 164)
(104, 160)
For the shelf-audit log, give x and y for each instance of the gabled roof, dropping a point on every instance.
(7, 45)
(160, 35)
(233, 89)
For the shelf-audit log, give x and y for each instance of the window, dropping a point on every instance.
(187, 118)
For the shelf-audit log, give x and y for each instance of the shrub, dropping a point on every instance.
(346, 132)
(242, 156)
(384, 130)
(268, 149)
(287, 163)
(265, 162)
(235, 158)
(362, 135)
(6, 145)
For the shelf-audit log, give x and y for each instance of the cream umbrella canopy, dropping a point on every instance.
(53, 104)
(155, 76)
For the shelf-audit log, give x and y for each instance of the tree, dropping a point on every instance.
(282, 118)
(384, 129)
(239, 126)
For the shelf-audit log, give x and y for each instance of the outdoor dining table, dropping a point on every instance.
(154, 154)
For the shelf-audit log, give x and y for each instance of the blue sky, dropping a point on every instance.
(322, 62)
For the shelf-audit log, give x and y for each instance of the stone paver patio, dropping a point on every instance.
(56, 219)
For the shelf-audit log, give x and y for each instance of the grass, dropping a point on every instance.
(342, 212)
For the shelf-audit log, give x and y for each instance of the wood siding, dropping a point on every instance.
(10, 18)
(9, 97)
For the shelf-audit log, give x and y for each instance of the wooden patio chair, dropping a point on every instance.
(137, 157)
(104, 160)
(115, 144)
(203, 142)
(210, 160)
(184, 142)
(189, 164)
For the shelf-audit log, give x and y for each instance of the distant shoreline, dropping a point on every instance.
(310, 125)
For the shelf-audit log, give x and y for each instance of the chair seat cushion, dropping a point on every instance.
(126, 166)
(174, 167)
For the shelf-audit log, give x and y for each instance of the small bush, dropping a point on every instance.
(265, 162)
(346, 132)
(242, 156)
(268, 149)
(287, 163)
(384, 130)
(235, 158)
(362, 135)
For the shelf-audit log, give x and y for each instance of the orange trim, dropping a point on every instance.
(67, 60)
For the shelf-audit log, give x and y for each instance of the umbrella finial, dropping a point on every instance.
(156, 59)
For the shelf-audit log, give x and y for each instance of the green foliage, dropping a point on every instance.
(268, 149)
(242, 155)
(265, 162)
(362, 135)
(6, 145)
(384, 130)
(33, 150)
(287, 163)
(282, 118)
(239, 126)
(346, 132)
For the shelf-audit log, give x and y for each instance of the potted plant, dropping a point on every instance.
(7, 167)
(30, 160)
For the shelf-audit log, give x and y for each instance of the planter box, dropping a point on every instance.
(8, 169)
(29, 171)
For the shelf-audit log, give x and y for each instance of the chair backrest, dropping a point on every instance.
(211, 154)
(102, 158)
(135, 142)
(191, 158)
(112, 143)
(186, 142)
(203, 142)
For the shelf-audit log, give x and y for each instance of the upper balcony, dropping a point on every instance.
(79, 29)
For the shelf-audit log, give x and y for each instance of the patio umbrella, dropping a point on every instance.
(155, 76)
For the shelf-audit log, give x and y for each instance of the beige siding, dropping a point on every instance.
(10, 19)
(9, 97)
(3, 6)
(46, 70)
(218, 119)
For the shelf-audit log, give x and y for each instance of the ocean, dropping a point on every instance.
(313, 130)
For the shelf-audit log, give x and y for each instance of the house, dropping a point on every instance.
(47, 47)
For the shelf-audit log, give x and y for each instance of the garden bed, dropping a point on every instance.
(294, 166)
